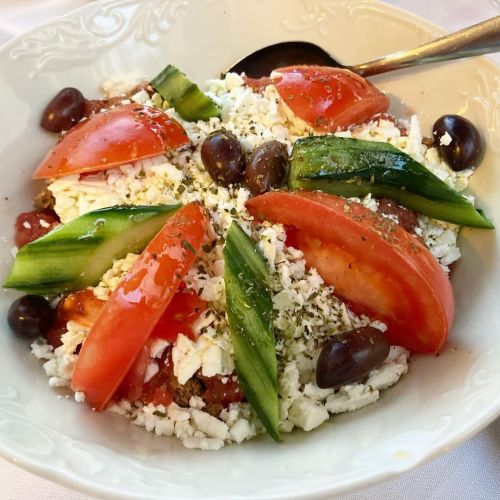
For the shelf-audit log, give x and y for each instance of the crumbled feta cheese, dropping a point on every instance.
(203, 443)
(79, 397)
(112, 277)
(390, 372)
(196, 402)
(164, 427)
(210, 425)
(445, 139)
(305, 312)
(151, 371)
(157, 347)
(312, 391)
(307, 413)
(350, 398)
(188, 357)
(60, 362)
(241, 430)
(177, 413)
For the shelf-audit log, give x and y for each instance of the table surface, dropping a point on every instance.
(470, 471)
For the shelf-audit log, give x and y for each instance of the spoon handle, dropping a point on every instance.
(482, 38)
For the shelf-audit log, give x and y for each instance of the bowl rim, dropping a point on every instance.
(77, 483)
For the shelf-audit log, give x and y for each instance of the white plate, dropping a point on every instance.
(441, 402)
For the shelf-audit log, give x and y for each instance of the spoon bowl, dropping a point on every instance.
(482, 38)
(262, 62)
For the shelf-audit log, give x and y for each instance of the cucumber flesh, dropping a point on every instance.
(184, 96)
(75, 255)
(353, 167)
(249, 311)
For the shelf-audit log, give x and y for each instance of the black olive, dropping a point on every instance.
(64, 111)
(222, 156)
(266, 167)
(350, 356)
(465, 146)
(30, 316)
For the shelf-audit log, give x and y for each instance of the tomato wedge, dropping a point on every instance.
(370, 261)
(106, 140)
(133, 309)
(328, 99)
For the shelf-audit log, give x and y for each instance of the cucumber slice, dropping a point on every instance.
(76, 255)
(184, 95)
(249, 312)
(352, 167)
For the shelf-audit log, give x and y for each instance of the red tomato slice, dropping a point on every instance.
(106, 140)
(180, 316)
(329, 99)
(133, 309)
(370, 261)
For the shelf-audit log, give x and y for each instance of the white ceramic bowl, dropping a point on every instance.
(441, 402)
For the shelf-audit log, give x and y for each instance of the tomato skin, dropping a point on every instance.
(370, 261)
(107, 140)
(133, 309)
(35, 230)
(329, 99)
(180, 316)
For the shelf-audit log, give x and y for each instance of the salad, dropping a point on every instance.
(249, 258)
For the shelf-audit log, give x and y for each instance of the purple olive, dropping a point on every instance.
(64, 111)
(350, 356)
(30, 316)
(266, 167)
(464, 140)
(223, 158)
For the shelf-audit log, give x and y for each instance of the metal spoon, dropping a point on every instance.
(482, 38)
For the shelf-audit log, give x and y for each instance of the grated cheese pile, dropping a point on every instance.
(306, 312)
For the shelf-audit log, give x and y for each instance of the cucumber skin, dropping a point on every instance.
(75, 255)
(249, 311)
(353, 167)
(182, 94)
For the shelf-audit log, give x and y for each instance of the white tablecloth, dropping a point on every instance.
(471, 471)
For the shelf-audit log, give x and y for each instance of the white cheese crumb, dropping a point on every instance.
(210, 425)
(445, 139)
(151, 371)
(203, 443)
(177, 413)
(157, 347)
(196, 402)
(164, 427)
(241, 430)
(307, 413)
(350, 398)
(79, 397)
